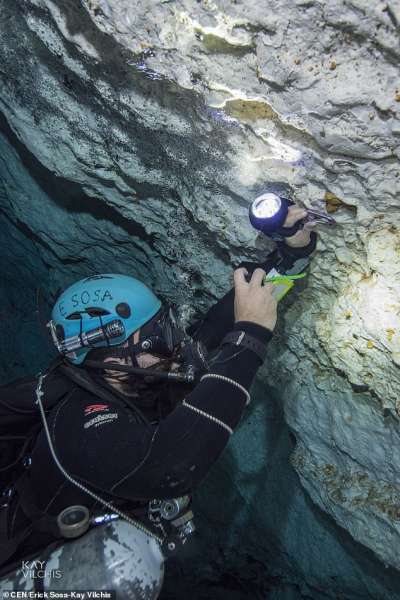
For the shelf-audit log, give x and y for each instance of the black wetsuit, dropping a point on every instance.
(101, 444)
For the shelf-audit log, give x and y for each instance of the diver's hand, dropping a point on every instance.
(302, 238)
(253, 301)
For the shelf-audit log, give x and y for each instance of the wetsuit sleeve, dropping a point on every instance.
(192, 437)
(219, 320)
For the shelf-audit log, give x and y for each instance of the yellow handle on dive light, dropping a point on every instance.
(283, 283)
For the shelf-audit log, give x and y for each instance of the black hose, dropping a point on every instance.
(170, 375)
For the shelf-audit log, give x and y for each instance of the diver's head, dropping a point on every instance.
(115, 318)
(113, 312)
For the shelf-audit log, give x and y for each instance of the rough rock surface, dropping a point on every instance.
(159, 124)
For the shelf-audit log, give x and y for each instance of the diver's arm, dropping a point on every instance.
(191, 438)
(220, 319)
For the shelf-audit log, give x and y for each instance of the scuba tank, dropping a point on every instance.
(113, 556)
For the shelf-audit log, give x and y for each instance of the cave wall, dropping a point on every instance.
(261, 533)
(145, 132)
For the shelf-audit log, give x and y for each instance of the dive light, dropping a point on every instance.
(268, 213)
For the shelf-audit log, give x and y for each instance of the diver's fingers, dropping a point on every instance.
(239, 277)
(311, 225)
(257, 278)
(295, 213)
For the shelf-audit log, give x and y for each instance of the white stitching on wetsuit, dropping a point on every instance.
(207, 416)
(231, 381)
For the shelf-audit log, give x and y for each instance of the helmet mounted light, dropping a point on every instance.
(89, 339)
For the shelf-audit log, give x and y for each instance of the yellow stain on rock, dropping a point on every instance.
(370, 344)
(215, 41)
(390, 333)
(249, 110)
(332, 202)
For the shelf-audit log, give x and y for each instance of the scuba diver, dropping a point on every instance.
(136, 409)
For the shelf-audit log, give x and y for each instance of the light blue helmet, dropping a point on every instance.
(96, 302)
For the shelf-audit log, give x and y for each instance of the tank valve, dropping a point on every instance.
(73, 521)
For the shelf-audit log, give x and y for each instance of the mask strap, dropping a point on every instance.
(131, 351)
(114, 351)
(80, 328)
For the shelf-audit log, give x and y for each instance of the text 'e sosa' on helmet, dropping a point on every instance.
(100, 311)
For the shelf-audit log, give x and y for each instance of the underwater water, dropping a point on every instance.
(261, 537)
(132, 140)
